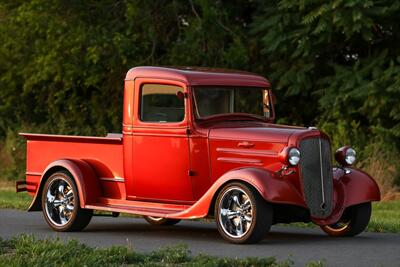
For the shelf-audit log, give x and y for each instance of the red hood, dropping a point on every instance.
(266, 132)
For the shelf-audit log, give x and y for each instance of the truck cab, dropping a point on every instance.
(200, 143)
(167, 128)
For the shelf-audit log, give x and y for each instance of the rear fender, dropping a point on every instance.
(272, 188)
(83, 175)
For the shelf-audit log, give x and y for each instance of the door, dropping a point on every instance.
(160, 143)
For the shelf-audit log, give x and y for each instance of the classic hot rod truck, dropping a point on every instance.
(199, 143)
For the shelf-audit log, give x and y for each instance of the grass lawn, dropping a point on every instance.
(25, 250)
(385, 215)
(10, 199)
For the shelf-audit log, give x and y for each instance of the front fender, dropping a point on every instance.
(359, 187)
(83, 175)
(271, 187)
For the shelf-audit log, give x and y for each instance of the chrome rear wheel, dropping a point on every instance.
(160, 221)
(60, 204)
(60, 201)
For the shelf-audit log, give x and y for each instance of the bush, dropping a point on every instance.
(381, 162)
(12, 157)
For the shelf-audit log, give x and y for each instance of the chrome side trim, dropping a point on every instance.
(248, 152)
(34, 173)
(113, 179)
(241, 160)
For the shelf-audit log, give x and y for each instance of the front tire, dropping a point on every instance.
(241, 214)
(60, 204)
(160, 221)
(354, 221)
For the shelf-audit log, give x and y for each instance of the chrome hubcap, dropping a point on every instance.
(342, 224)
(155, 218)
(339, 226)
(60, 202)
(235, 212)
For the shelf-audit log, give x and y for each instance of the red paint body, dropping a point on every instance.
(175, 170)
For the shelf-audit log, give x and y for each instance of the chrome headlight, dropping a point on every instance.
(289, 156)
(294, 156)
(350, 156)
(345, 156)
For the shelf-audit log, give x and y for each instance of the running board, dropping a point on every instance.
(165, 213)
(138, 207)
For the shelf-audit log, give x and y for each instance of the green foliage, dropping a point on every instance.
(319, 263)
(173, 255)
(25, 250)
(62, 65)
(12, 156)
(341, 55)
(334, 64)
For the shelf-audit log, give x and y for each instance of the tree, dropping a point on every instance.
(338, 59)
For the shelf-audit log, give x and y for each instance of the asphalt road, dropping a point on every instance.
(301, 245)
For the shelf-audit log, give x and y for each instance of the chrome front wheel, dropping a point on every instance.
(241, 214)
(354, 221)
(235, 212)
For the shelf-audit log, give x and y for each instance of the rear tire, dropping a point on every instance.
(61, 205)
(241, 214)
(354, 221)
(160, 221)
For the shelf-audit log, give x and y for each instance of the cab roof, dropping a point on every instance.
(199, 76)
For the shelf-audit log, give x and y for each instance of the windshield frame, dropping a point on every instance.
(231, 116)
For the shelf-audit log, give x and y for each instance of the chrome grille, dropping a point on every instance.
(316, 173)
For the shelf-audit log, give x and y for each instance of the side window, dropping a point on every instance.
(161, 103)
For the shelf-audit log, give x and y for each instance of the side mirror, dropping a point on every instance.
(180, 95)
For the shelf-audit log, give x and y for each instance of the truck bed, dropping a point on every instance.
(104, 154)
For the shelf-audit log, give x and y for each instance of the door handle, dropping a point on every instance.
(245, 144)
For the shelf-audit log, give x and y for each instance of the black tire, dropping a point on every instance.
(160, 221)
(77, 218)
(354, 221)
(261, 214)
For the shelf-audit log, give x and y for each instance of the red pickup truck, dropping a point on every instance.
(199, 143)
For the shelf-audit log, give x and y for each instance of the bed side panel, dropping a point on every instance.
(104, 158)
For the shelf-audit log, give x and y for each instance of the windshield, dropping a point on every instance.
(215, 100)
